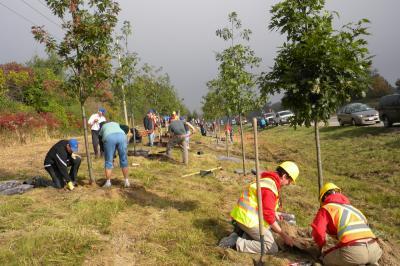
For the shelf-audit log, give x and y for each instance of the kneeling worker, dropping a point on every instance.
(357, 244)
(245, 213)
(57, 161)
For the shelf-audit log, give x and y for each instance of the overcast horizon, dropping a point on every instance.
(179, 35)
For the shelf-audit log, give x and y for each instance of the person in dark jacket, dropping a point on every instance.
(58, 159)
(149, 125)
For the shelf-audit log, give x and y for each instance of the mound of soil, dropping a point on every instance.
(303, 241)
(391, 255)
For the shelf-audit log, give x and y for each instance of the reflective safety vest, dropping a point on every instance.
(246, 209)
(350, 223)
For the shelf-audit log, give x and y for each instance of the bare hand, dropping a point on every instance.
(74, 156)
(278, 216)
(287, 239)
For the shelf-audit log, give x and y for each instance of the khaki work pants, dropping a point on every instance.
(250, 241)
(180, 140)
(366, 254)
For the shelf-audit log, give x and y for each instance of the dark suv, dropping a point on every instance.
(389, 109)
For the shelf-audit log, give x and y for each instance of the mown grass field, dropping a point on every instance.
(165, 219)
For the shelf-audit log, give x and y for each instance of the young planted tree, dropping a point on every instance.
(85, 49)
(212, 103)
(212, 106)
(318, 68)
(235, 83)
(126, 65)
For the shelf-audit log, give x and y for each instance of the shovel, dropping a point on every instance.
(203, 173)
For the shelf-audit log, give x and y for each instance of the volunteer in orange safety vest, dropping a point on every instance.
(245, 212)
(357, 244)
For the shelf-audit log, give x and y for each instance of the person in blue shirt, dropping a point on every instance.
(263, 123)
(114, 138)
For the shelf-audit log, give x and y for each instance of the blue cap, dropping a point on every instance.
(73, 143)
(102, 110)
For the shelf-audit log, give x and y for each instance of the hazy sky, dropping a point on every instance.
(179, 35)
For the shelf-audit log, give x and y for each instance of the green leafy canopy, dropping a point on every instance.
(85, 48)
(235, 83)
(318, 67)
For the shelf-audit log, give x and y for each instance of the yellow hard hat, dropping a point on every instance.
(326, 188)
(173, 113)
(291, 168)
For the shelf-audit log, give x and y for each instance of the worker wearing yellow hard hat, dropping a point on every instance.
(357, 244)
(245, 212)
(174, 116)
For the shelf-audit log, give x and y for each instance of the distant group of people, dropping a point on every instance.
(108, 138)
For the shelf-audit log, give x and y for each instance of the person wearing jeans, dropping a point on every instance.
(149, 126)
(114, 138)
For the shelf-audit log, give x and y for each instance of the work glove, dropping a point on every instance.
(74, 156)
(70, 186)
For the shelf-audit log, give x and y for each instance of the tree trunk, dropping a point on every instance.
(319, 162)
(124, 104)
(242, 143)
(123, 92)
(226, 143)
(217, 131)
(85, 132)
(134, 133)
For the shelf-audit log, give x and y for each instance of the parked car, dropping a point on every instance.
(357, 114)
(389, 109)
(270, 118)
(283, 117)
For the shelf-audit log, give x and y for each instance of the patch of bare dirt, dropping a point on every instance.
(391, 255)
(303, 241)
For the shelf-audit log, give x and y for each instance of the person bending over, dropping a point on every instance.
(114, 138)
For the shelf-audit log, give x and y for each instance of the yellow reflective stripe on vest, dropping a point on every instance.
(245, 202)
(267, 183)
(345, 226)
(246, 209)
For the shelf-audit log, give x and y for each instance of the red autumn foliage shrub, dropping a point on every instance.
(15, 67)
(28, 121)
(51, 85)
